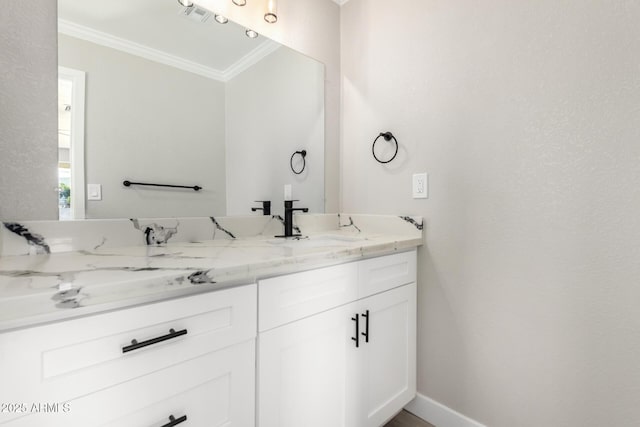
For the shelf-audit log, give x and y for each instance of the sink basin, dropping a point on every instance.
(317, 241)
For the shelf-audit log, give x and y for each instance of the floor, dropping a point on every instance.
(405, 419)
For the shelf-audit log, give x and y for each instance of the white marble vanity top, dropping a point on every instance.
(41, 282)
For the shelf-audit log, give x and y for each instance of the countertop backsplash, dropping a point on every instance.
(49, 237)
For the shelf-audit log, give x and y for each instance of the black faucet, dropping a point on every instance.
(266, 207)
(288, 218)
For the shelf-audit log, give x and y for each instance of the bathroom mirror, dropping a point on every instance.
(172, 96)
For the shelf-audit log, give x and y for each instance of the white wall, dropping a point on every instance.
(313, 28)
(149, 122)
(275, 108)
(525, 115)
(28, 110)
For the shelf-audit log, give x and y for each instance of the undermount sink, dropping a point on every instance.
(316, 241)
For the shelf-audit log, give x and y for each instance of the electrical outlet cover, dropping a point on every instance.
(420, 185)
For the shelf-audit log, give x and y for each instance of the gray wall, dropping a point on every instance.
(275, 108)
(149, 122)
(525, 115)
(28, 110)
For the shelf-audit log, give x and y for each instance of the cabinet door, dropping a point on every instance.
(219, 393)
(62, 361)
(387, 362)
(213, 390)
(306, 372)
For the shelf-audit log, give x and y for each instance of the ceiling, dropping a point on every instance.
(160, 25)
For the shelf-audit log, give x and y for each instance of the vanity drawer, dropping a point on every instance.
(216, 389)
(377, 275)
(61, 361)
(295, 296)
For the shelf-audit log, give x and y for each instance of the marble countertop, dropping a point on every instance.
(48, 287)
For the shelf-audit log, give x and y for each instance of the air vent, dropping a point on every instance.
(195, 13)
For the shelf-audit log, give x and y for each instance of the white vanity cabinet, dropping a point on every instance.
(190, 358)
(337, 346)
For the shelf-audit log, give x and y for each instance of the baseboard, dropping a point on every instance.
(437, 414)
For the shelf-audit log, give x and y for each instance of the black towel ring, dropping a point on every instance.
(388, 136)
(303, 154)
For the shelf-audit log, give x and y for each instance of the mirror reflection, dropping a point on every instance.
(153, 92)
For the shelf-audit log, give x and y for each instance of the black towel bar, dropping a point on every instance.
(130, 183)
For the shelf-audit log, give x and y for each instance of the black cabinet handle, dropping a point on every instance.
(173, 421)
(136, 345)
(365, 334)
(357, 337)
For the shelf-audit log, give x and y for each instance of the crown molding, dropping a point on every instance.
(104, 39)
(265, 48)
(124, 45)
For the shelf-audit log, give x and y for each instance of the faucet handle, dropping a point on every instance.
(266, 207)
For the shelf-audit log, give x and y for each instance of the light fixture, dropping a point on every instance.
(239, 2)
(272, 12)
(186, 3)
(251, 34)
(220, 19)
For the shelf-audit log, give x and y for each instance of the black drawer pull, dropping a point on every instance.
(357, 337)
(173, 421)
(365, 334)
(136, 345)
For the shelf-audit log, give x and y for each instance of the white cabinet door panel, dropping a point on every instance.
(388, 361)
(214, 390)
(65, 360)
(305, 372)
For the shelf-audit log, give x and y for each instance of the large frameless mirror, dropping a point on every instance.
(154, 92)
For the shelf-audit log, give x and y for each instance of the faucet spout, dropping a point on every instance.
(288, 218)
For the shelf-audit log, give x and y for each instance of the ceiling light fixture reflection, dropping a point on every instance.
(186, 3)
(239, 2)
(220, 19)
(251, 34)
(272, 12)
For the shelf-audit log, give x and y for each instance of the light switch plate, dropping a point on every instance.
(94, 191)
(420, 185)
